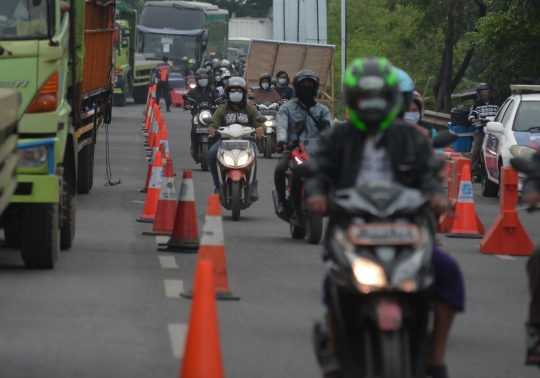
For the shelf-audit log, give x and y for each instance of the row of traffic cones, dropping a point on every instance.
(176, 218)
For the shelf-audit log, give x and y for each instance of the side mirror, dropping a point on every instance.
(495, 127)
(444, 139)
(522, 165)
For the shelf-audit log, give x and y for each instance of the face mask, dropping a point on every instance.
(282, 81)
(307, 95)
(203, 82)
(208, 68)
(236, 97)
(412, 117)
(265, 85)
(218, 78)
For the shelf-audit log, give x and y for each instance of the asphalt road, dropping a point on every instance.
(111, 307)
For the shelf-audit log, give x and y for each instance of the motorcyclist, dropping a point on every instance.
(265, 93)
(202, 93)
(225, 64)
(282, 87)
(208, 66)
(190, 69)
(222, 83)
(371, 146)
(273, 83)
(484, 106)
(314, 114)
(238, 111)
(217, 75)
(225, 76)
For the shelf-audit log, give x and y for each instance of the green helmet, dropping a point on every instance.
(372, 94)
(192, 63)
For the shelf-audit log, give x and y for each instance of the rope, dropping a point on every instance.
(108, 170)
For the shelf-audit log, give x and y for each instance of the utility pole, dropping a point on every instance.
(343, 37)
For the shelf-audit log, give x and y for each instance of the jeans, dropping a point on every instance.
(162, 88)
(212, 162)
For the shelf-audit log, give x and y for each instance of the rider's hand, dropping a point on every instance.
(259, 131)
(474, 120)
(316, 204)
(221, 105)
(440, 205)
(281, 146)
(532, 199)
(211, 131)
(187, 107)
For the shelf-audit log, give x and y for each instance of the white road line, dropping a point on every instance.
(177, 334)
(168, 262)
(162, 239)
(173, 288)
(505, 257)
(138, 201)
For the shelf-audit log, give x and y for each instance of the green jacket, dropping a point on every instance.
(245, 116)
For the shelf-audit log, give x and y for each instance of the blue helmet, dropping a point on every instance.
(406, 86)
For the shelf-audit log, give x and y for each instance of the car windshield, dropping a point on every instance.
(528, 116)
(156, 46)
(23, 19)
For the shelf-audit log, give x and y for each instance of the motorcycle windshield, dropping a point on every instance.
(380, 199)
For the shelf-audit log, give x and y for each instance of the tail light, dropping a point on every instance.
(47, 98)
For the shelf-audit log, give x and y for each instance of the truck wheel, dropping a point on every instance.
(86, 169)
(40, 235)
(121, 98)
(140, 94)
(67, 232)
(12, 231)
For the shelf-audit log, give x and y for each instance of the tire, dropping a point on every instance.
(393, 355)
(12, 232)
(297, 232)
(204, 157)
(121, 99)
(489, 188)
(67, 231)
(40, 235)
(314, 229)
(235, 200)
(268, 150)
(140, 94)
(85, 178)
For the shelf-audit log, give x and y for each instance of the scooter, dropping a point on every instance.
(236, 160)
(202, 117)
(268, 143)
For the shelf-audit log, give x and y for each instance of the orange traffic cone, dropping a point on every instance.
(164, 137)
(154, 188)
(507, 236)
(213, 249)
(166, 206)
(151, 160)
(154, 124)
(149, 114)
(185, 235)
(202, 358)
(466, 222)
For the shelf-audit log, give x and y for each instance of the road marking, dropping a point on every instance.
(162, 239)
(177, 335)
(173, 288)
(138, 201)
(505, 257)
(168, 262)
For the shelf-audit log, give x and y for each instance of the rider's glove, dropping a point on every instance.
(281, 146)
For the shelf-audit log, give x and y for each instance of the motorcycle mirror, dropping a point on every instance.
(306, 169)
(260, 119)
(522, 165)
(444, 139)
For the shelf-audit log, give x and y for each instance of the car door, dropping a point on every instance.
(493, 140)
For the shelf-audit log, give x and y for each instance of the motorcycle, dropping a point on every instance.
(268, 143)
(202, 115)
(236, 160)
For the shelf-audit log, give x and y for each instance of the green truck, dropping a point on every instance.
(59, 56)
(9, 114)
(132, 73)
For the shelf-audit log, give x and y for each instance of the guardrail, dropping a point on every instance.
(435, 118)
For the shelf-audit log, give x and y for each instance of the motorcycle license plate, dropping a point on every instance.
(389, 315)
(235, 145)
(384, 234)
(201, 130)
(268, 112)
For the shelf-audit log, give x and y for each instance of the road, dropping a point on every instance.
(111, 307)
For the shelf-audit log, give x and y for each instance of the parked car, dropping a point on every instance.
(515, 132)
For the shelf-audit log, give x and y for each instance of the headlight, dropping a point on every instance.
(205, 115)
(32, 157)
(369, 273)
(269, 123)
(243, 160)
(522, 152)
(192, 85)
(228, 160)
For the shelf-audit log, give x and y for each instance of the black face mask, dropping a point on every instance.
(306, 94)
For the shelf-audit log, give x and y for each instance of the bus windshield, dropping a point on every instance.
(173, 17)
(23, 19)
(156, 46)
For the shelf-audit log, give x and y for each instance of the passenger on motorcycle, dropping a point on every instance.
(372, 146)
(202, 93)
(225, 76)
(282, 87)
(238, 111)
(217, 82)
(304, 108)
(265, 93)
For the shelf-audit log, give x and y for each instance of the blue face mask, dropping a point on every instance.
(203, 82)
(236, 97)
(412, 117)
(208, 68)
(265, 85)
(282, 81)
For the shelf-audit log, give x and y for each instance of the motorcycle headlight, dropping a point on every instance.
(368, 272)
(32, 157)
(205, 115)
(243, 160)
(522, 152)
(269, 123)
(192, 85)
(229, 161)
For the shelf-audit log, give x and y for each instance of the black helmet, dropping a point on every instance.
(484, 87)
(201, 73)
(216, 67)
(305, 74)
(207, 64)
(372, 94)
(265, 76)
(236, 82)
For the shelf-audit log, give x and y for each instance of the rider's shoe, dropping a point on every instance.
(217, 191)
(282, 209)
(533, 344)
(168, 109)
(254, 194)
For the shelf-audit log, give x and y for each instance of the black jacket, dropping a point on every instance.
(199, 95)
(480, 109)
(340, 155)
